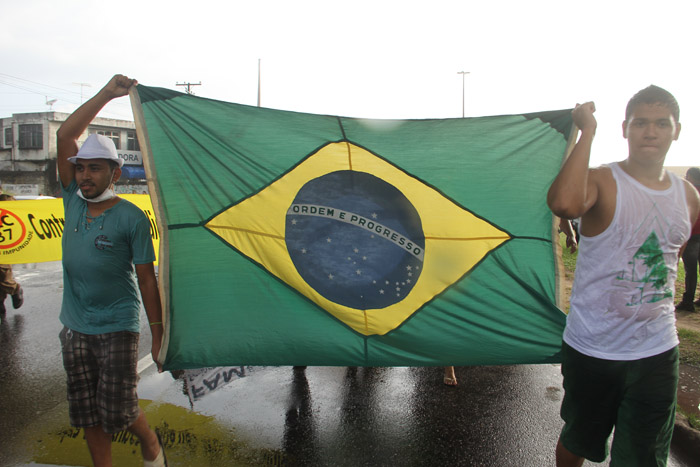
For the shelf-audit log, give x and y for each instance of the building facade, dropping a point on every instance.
(28, 153)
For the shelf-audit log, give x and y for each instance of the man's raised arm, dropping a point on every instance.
(572, 193)
(69, 132)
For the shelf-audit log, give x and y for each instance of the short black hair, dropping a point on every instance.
(653, 95)
(693, 173)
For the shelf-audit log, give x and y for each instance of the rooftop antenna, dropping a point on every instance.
(50, 102)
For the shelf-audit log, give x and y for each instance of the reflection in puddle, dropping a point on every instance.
(189, 438)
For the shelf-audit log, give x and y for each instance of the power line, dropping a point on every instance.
(42, 93)
(32, 91)
(25, 85)
(37, 83)
(28, 107)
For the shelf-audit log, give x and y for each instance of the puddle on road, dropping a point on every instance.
(189, 438)
(554, 393)
(689, 389)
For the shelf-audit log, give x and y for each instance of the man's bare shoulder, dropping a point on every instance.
(601, 170)
(601, 177)
(602, 196)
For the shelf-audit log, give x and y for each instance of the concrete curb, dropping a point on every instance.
(686, 437)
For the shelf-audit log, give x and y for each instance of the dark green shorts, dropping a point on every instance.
(637, 398)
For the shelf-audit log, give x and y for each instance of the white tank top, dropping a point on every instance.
(622, 298)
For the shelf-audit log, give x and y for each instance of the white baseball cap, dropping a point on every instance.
(98, 147)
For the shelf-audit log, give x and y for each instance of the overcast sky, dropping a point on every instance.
(372, 59)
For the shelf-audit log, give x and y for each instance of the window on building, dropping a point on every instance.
(113, 135)
(31, 136)
(8, 137)
(132, 144)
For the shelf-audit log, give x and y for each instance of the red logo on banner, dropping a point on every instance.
(12, 230)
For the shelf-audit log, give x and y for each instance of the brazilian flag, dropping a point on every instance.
(298, 239)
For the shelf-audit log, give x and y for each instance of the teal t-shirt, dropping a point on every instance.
(100, 290)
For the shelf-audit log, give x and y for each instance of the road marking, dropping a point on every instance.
(25, 275)
(144, 364)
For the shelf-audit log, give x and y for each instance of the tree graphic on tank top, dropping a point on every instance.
(648, 269)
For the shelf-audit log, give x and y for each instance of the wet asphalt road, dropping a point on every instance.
(326, 416)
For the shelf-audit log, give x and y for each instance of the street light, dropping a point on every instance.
(463, 73)
(258, 82)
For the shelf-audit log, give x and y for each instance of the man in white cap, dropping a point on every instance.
(107, 259)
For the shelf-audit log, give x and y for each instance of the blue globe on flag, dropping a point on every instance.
(355, 239)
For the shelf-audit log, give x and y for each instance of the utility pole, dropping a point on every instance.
(82, 85)
(189, 86)
(463, 73)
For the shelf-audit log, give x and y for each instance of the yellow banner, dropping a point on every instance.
(31, 230)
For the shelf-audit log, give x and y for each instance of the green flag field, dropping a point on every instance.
(296, 239)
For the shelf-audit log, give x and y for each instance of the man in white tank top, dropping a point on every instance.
(620, 349)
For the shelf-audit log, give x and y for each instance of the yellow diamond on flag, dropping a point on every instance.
(359, 237)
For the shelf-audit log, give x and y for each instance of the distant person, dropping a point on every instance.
(8, 285)
(691, 254)
(107, 251)
(449, 378)
(620, 349)
(566, 226)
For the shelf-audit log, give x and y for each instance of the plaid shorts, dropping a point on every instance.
(102, 377)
